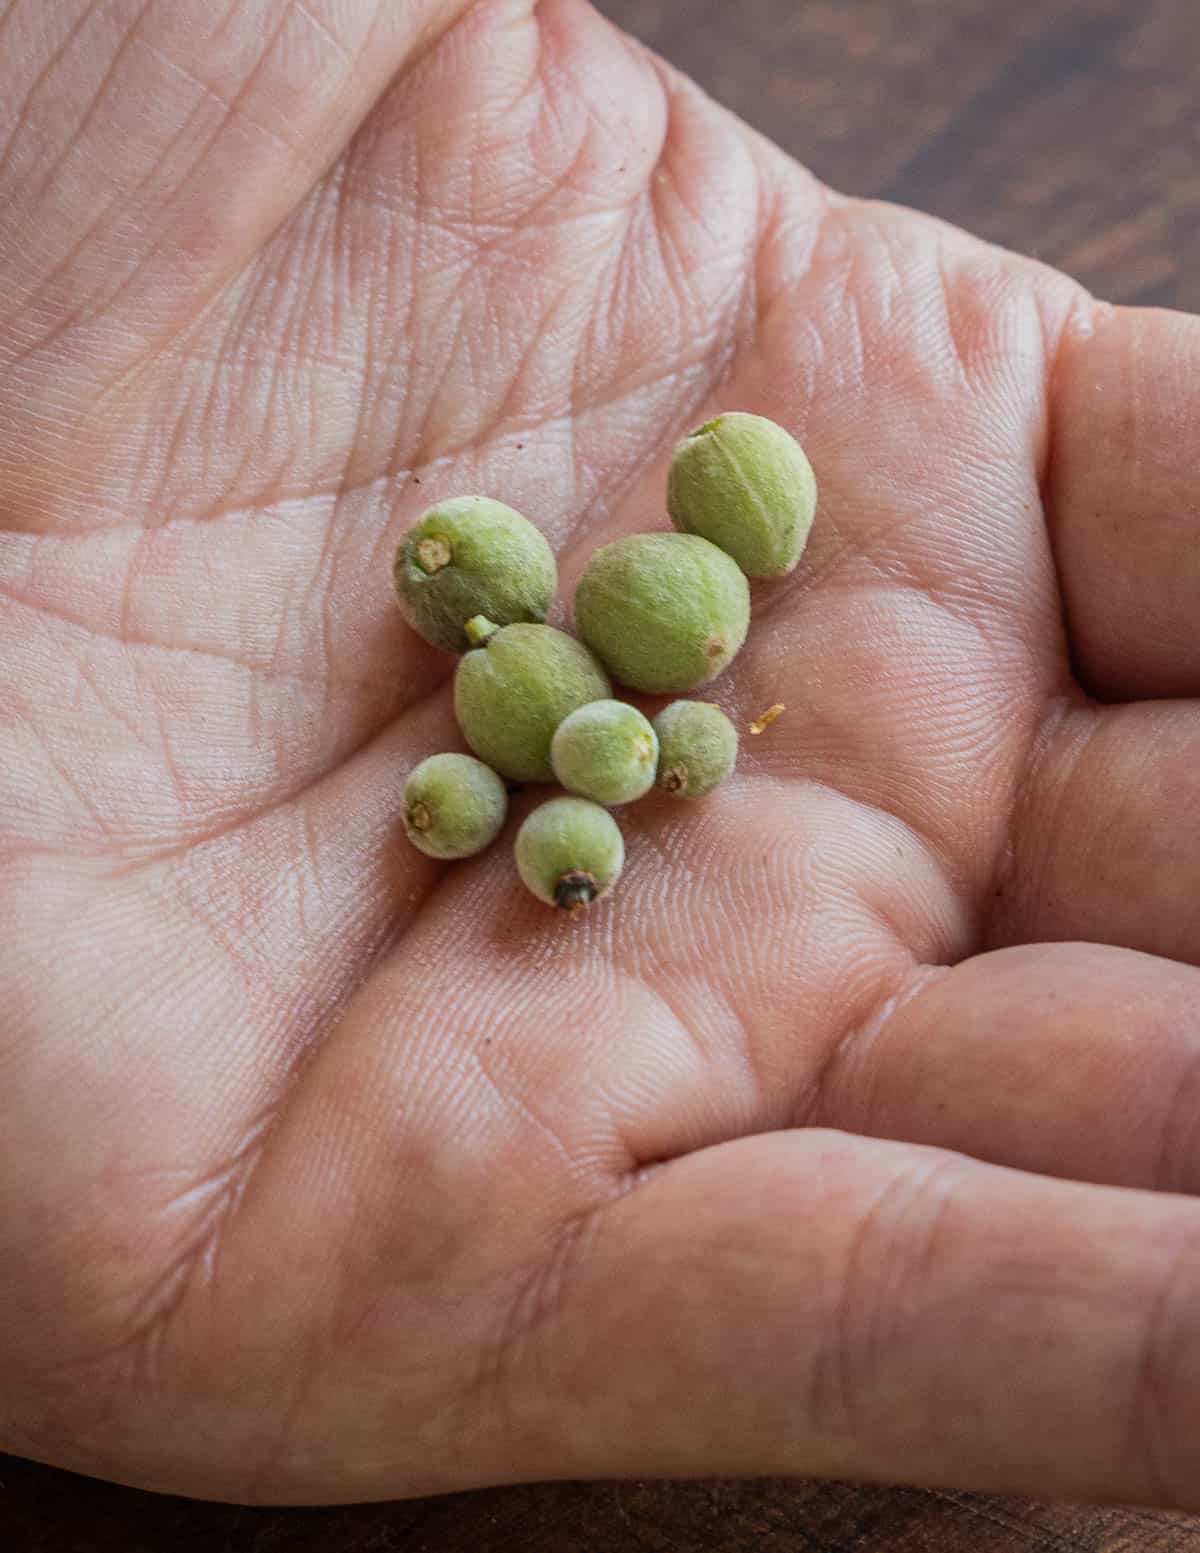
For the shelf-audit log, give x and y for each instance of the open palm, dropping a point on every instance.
(326, 1172)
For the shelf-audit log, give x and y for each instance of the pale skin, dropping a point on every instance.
(856, 1133)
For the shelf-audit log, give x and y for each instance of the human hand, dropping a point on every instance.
(326, 1173)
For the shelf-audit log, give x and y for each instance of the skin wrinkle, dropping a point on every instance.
(538, 1297)
(499, 412)
(81, 19)
(853, 1338)
(230, 107)
(25, 716)
(967, 939)
(1081, 329)
(1017, 786)
(136, 368)
(71, 322)
(1080, 323)
(961, 355)
(1151, 1376)
(365, 377)
(216, 1195)
(770, 299)
(302, 1059)
(852, 1053)
(187, 840)
(851, 1049)
(126, 638)
(428, 462)
(1177, 1144)
(1009, 865)
(6, 15)
(128, 37)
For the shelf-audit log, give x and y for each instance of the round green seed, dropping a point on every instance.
(698, 748)
(569, 852)
(454, 806)
(606, 751)
(472, 556)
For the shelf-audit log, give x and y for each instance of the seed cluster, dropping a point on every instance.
(662, 613)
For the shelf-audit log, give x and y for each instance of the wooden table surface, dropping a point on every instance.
(1065, 128)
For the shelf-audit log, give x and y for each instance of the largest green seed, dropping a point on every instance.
(472, 556)
(511, 695)
(746, 484)
(663, 612)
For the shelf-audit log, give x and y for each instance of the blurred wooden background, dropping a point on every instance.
(1068, 129)
(1065, 128)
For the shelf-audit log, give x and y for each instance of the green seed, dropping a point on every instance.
(511, 694)
(745, 484)
(472, 556)
(606, 751)
(569, 852)
(663, 612)
(454, 806)
(698, 748)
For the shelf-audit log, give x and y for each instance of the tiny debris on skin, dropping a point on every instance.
(772, 714)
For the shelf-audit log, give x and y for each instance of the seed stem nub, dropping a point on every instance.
(419, 817)
(479, 630)
(575, 890)
(432, 554)
(676, 779)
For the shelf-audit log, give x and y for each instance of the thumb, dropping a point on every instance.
(819, 1304)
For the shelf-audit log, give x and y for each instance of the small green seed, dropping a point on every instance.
(454, 806)
(605, 751)
(663, 612)
(745, 484)
(511, 694)
(569, 852)
(472, 556)
(698, 748)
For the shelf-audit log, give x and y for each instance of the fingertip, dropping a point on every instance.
(1122, 499)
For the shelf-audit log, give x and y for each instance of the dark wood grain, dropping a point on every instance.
(1065, 128)
(43, 1511)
